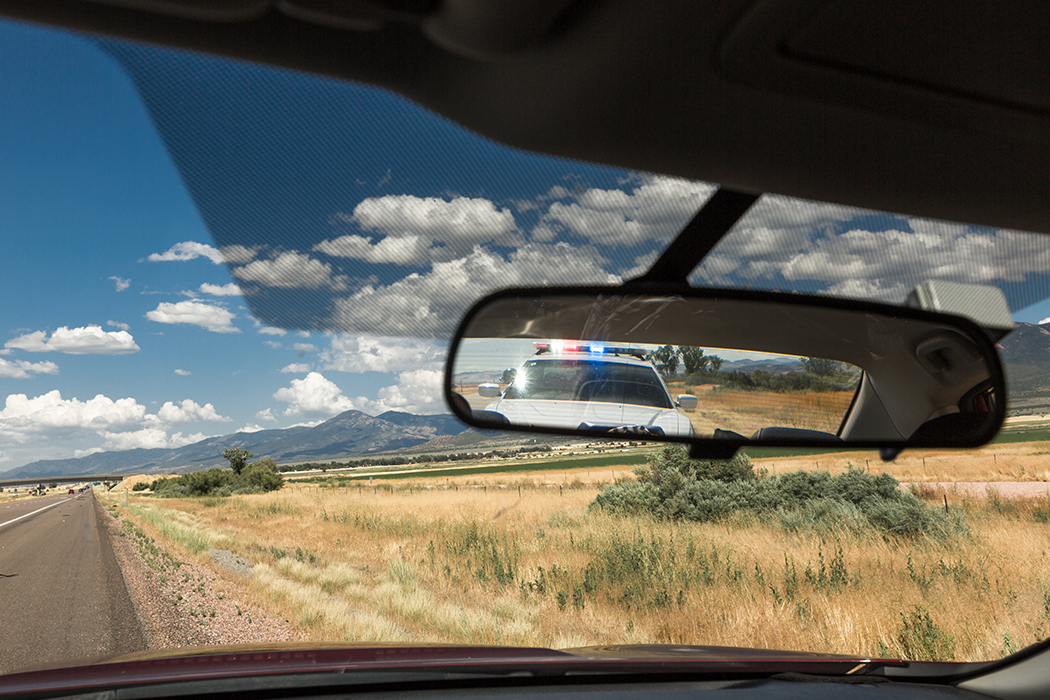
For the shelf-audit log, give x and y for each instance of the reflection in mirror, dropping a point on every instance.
(766, 370)
(644, 388)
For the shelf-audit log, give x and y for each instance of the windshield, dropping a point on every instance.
(586, 380)
(229, 294)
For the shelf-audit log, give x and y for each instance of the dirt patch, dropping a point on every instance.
(183, 604)
(130, 481)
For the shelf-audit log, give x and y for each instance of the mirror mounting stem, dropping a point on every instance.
(703, 232)
(713, 450)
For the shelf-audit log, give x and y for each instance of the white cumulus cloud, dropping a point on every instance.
(410, 226)
(87, 340)
(188, 250)
(122, 424)
(313, 396)
(291, 270)
(656, 209)
(225, 290)
(401, 250)
(270, 330)
(183, 372)
(50, 414)
(814, 246)
(266, 415)
(118, 324)
(120, 283)
(382, 354)
(430, 304)
(197, 313)
(237, 254)
(147, 438)
(417, 391)
(471, 220)
(20, 369)
(191, 250)
(296, 368)
(187, 411)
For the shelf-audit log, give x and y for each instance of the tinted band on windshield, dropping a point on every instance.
(580, 380)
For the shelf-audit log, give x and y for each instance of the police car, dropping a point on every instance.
(593, 387)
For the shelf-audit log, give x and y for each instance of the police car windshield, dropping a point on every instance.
(589, 380)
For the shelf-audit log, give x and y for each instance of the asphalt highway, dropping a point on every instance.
(62, 596)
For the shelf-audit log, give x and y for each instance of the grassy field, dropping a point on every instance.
(504, 559)
(505, 467)
(747, 411)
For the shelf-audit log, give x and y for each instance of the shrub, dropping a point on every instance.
(675, 487)
(256, 477)
(922, 640)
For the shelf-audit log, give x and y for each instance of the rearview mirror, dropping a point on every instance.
(720, 369)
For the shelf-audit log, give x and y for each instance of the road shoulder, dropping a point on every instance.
(183, 604)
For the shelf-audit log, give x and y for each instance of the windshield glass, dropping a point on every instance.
(229, 294)
(586, 380)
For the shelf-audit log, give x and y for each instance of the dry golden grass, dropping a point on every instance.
(1026, 461)
(495, 567)
(747, 411)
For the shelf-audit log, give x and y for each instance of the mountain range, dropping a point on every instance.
(1026, 361)
(349, 433)
(1025, 353)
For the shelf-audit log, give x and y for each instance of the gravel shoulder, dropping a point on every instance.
(183, 604)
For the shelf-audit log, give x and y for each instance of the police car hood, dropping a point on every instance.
(571, 414)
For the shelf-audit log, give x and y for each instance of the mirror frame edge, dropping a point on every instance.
(713, 448)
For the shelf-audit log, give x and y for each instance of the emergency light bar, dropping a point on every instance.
(559, 346)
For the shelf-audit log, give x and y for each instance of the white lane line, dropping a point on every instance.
(15, 520)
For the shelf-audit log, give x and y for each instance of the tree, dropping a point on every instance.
(263, 475)
(819, 366)
(693, 359)
(666, 360)
(714, 363)
(238, 458)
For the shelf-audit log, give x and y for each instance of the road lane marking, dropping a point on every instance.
(15, 520)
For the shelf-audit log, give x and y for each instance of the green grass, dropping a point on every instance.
(763, 452)
(628, 460)
(1022, 435)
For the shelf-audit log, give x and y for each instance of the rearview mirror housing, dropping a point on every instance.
(747, 368)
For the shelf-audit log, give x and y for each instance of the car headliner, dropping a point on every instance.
(893, 106)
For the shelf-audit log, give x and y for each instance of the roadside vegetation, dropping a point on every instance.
(399, 460)
(241, 478)
(509, 560)
(674, 487)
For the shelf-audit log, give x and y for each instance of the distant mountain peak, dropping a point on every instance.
(348, 434)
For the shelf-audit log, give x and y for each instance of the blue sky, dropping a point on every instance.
(362, 223)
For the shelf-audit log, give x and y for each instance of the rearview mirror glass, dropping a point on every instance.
(722, 369)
